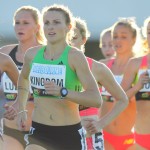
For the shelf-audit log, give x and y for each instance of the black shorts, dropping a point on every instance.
(71, 137)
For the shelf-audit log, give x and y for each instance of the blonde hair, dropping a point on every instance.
(105, 31)
(144, 28)
(144, 35)
(66, 12)
(81, 25)
(130, 23)
(37, 18)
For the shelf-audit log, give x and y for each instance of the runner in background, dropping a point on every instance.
(118, 134)
(6, 66)
(105, 43)
(138, 73)
(103, 77)
(28, 29)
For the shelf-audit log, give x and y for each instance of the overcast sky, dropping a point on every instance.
(99, 14)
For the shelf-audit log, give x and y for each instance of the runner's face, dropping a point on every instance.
(107, 48)
(77, 40)
(123, 40)
(25, 26)
(55, 27)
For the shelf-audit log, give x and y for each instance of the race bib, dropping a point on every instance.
(9, 88)
(118, 78)
(46, 72)
(105, 92)
(146, 87)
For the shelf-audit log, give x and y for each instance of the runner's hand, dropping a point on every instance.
(21, 120)
(11, 111)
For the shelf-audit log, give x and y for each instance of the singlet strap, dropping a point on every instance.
(66, 52)
(143, 65)
(90, 61)
(110, 63)
(12, 54)
(143, 62)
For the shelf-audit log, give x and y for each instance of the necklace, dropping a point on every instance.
(50, 58)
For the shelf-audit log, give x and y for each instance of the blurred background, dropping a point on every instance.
(99, 14)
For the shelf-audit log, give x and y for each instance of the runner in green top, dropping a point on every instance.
(41, 68)
(56, 120)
